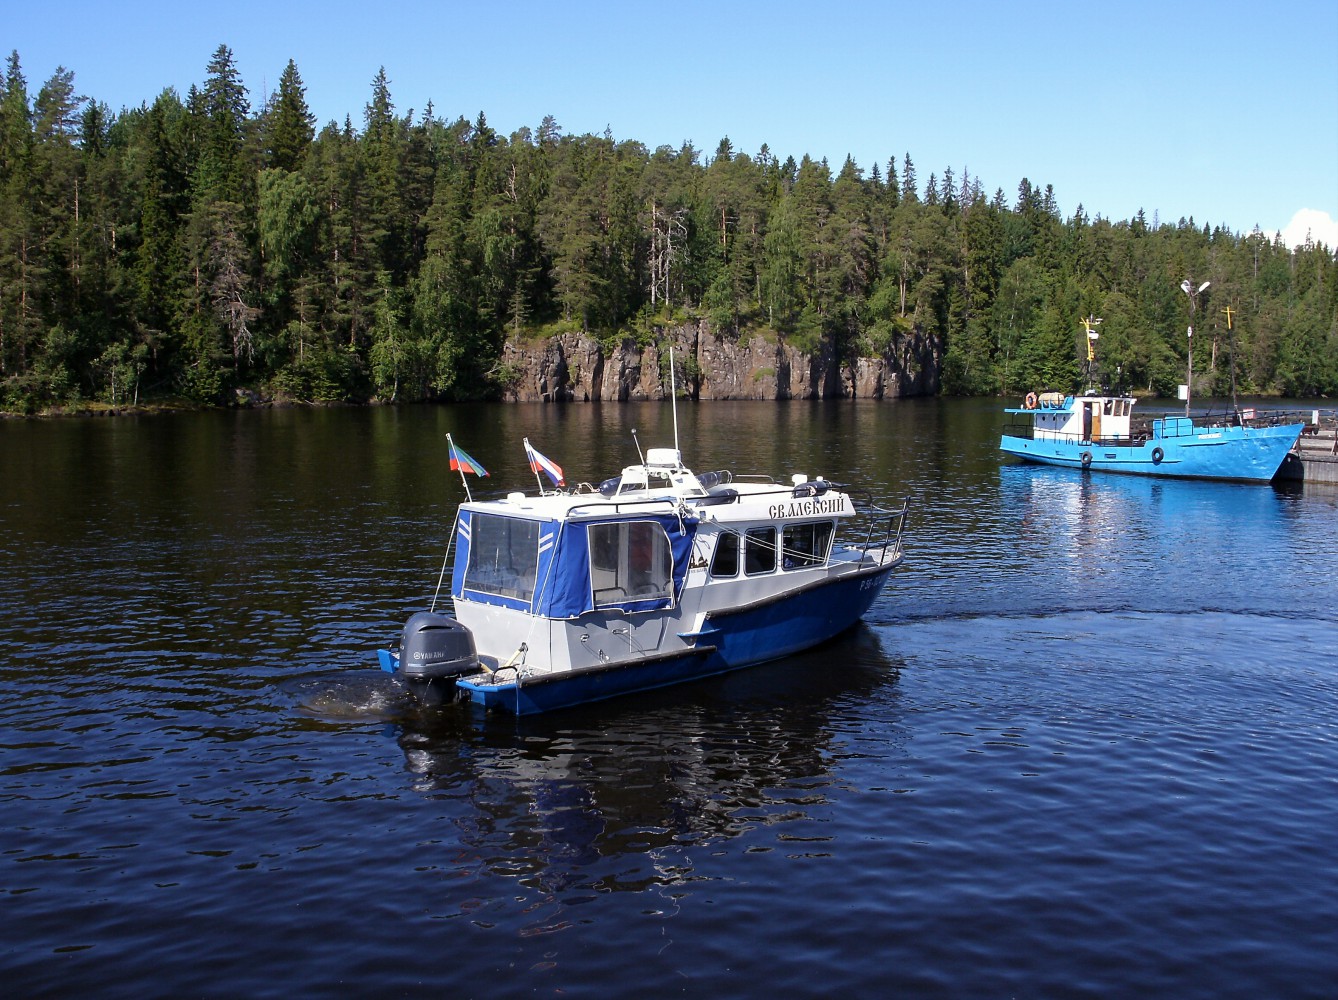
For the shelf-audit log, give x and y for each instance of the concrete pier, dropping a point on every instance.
(1314, 459)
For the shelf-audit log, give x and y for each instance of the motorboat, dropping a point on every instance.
(655, 577)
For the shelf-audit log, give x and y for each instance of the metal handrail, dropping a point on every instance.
(892, 528)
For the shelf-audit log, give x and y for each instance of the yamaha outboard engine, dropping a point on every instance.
(435, 650)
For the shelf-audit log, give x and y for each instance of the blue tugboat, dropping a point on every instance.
(658, 576)
(1098, 433)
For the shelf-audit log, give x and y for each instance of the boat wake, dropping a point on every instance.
(351, 696)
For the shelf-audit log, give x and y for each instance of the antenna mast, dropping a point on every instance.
(1090, 324)
(673, 396)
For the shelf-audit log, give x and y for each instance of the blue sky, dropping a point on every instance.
(1225, 112)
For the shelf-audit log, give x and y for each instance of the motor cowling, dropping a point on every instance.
(436, 647)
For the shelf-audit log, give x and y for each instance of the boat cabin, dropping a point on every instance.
(1073, 419)
(562, 567)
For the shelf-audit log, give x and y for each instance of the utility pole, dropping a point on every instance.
(1188, 288)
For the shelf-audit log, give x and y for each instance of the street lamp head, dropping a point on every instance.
(1204, 285)
(1185, 286)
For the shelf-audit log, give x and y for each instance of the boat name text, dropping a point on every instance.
(806, 508)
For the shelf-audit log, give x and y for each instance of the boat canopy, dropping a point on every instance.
(563, 568)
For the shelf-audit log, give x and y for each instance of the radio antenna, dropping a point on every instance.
(673, 395)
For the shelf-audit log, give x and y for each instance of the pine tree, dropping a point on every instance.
(56, 109)
(383, 147)
(289, 124)
(909, 193)
(221, 111)
(20, 319)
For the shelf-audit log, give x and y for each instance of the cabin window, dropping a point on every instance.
(503, 556)
(725, 561)
(805, 544)
(759, 552)
(630, 561)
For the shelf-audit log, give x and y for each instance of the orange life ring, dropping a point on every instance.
(1030, 402)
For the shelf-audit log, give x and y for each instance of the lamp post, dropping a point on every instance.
(1188, 288)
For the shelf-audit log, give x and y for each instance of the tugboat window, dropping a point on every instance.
(630, 561)
(725, 562)
(759, 553)
(503, 556)
(805, 544)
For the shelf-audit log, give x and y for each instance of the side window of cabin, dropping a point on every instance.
(725, 562)
(650, 561)
(503, 556)
(630, 561)
(759, 552)
(805, 544)
(603, 556)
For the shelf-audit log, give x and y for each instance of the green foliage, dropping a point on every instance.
(193, 246)
(969, 367)
(721, 304)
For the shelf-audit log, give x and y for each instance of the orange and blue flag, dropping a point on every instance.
(461, 462)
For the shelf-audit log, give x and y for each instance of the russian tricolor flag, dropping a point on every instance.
(550, 468)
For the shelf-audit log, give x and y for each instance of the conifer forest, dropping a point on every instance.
(200, 246)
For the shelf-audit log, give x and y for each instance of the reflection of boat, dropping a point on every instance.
(657, 577)
(651, 786)
(1097, 432)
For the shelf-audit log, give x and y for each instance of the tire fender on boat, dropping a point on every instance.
(1087, 460)
(1157, 456)
(1030, 401)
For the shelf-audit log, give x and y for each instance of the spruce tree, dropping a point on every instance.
(289, 124)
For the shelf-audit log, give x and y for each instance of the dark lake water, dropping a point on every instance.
(1084, 745)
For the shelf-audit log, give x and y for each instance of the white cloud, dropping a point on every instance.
(1319, 226)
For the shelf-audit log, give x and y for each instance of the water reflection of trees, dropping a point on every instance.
(614, 797)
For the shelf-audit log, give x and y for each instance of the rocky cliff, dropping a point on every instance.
(575, 367)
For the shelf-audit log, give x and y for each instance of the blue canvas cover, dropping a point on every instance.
(561, 560)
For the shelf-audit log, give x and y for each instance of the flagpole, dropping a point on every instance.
(444, 562)
(673, 396)
(534, 467)
(463, 479)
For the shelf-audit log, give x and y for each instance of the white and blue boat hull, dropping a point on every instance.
(730, 640)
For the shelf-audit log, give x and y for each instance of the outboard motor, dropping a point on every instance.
(434, 650)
